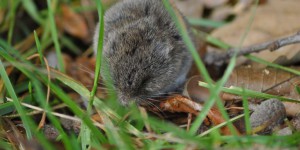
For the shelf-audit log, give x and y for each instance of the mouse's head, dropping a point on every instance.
(145, 61)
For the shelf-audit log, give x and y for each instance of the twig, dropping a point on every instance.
(219, 58)
(36, 112)
(57, 114)
(43, 119)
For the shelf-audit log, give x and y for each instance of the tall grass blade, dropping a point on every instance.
(39, 49)
(54, 35)
(250, 93)
(246, 112)
(32, 10)
(205, 23)
(17, 104)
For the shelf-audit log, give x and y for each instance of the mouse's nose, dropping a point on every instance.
(125, 99)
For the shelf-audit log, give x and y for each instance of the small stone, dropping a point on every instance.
(285, 131)
(50, 132)
(267, 116)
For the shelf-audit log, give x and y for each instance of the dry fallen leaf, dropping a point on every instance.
(275, 19)
(180, 103)
(216, 118)
(190, 8)
(73, 23)
(268, 80)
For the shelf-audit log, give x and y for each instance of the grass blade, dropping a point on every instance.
(32, 10)
(38, 46)
(221, 125)
(205, 23)
(17, 104)
(246, 112)
(56, 90)
(200, 65)
(14, 5)
(259, 60)
(187, 40)
(99, 52)
(55, 37)
(250, 93)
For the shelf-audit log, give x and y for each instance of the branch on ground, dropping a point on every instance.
(219, 58)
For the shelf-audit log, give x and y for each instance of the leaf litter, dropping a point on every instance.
(182, 109)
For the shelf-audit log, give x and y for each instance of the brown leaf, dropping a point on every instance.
(180, 103)
(190, 8)
(73, 23)
(275, 19)
(268, 80)
(216, 118)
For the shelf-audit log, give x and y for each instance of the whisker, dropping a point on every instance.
(162, 96)
(153, 105)
(90, 71)
(105, 90)
(86, 69)
(155, 100)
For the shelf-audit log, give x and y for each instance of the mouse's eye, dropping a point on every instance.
(145, 81)
(129, 82)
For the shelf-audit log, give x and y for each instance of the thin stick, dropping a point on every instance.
(220, 58)
(43, 119)
(57, 114)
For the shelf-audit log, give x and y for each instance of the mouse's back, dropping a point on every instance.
(128, 11)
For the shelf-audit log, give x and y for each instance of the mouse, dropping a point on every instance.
(143, 51)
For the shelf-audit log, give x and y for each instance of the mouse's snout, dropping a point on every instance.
(125, 99)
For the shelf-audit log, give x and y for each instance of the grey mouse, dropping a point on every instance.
(144, 51)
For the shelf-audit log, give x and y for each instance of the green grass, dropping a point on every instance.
(205, 23)
(116, 131)
(54, 35)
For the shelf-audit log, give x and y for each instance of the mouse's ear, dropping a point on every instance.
(109, 48)
(110, 43)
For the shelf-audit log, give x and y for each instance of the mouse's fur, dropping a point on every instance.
(145, 53)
